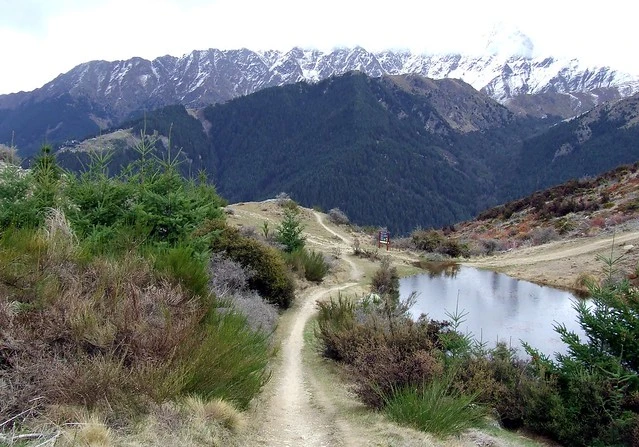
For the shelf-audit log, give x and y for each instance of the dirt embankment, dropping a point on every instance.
(563, 263)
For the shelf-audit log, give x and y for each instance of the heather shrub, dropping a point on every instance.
(497, 379)
(381, 355)
(260, 314)
(110, 334)
(387, 360)
(336, 318)
(338, 217)
(227, 276)
(229, 282)
(543, 235)
(379, 341)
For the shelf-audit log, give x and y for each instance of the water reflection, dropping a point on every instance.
(498, 307)
(434, 269)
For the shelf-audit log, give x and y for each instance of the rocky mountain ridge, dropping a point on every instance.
(211, 76)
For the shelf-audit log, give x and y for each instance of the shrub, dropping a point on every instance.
(338, 217)
(385, 362)
(182, 265)
(385, 280)
(229, 281)
(595, 385)
(380, 342)
(497, 378)
(308, 263)
(427, 240)
(26, 196)
(435, 241)
(336, 317)
(9, 155)
(101, 313)
(227, 276)
(454, 248)
(260, 314)
(282, 199)
(271, 278)
(543, 235)
(490, 246)
(564, 225)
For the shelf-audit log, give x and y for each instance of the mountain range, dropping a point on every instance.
(101, 94)
(398, 151)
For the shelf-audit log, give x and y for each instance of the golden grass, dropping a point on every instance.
(89, 431)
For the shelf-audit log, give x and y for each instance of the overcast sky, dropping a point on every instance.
(40, 39)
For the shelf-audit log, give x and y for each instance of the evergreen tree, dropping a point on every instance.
(289, 233)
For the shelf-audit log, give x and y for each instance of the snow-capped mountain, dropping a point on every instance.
(210, 76)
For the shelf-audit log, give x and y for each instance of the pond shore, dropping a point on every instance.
(564, 263)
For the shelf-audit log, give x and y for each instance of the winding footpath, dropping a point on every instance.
(294, 411)
(304, 406)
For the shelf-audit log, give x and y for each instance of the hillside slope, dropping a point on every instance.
(398, 152)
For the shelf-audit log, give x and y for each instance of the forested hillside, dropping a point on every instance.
(398, 152)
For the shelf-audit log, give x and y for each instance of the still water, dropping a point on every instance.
(498, 307)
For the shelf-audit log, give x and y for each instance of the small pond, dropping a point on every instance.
(498, 307)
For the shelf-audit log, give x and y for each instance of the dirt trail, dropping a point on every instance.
(356, 272)
(294, 411)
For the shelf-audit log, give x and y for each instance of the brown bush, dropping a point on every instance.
(270, 276)
(83, 333)
(383, 351)
(499, 380)
(380, 371)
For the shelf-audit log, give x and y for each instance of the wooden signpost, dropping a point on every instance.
(384, 238)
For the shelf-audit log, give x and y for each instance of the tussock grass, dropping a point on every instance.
(216, 410)
(228, 361)
(88, 430)
(187, 422)
(435, 407)
(309, 264)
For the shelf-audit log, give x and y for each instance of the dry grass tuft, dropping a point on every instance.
(90, 430)
(216, 410)
(584, 280)
(191, 423)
